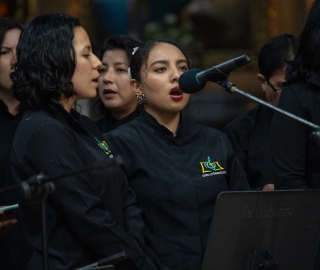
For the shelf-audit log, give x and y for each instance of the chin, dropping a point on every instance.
(93, 95)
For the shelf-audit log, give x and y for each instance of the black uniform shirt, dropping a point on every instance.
(91, 215)
(9, 124)
(14, 250)
(296, 159)
(109, 122)
(177, 180)
(249, 136)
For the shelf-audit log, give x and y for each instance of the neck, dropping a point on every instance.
(67, 103)
(11, 102)
(170, 121)
(121, 114)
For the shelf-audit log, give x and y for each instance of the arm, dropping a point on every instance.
(135, 224)
(237, 180)
(132, 213)
(77, 200)
(289, 140)
(238, 133)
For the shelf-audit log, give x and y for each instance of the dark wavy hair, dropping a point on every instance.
(141, 56)
(46, 61)
(7, 24)
(121, 42)
(276, 53)
(307, 60)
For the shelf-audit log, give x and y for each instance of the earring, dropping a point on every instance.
(141, 99)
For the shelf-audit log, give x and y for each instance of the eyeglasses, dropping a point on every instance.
(273, 88)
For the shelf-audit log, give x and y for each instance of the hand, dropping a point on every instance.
(7, 221)
(268, 187)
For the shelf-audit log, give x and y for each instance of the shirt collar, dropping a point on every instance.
(152, 122)
(4, 110)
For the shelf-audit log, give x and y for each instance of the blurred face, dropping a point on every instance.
(114, 84)
(159, 80)
(86, 72)
(8, 58)
(273, 86)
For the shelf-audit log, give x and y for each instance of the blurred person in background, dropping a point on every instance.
(15, 251)
(249, 134)
(117, 103)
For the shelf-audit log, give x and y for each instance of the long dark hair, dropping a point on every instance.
(7, 24)
(121, 42)
(307, 60)
(46, 61)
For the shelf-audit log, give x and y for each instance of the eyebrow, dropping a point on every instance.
(116, 64)
(166, 62)
(87, 47)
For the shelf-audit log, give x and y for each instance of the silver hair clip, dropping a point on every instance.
(129, 73)
(134, 50)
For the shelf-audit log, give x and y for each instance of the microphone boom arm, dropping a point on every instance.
(231, 88)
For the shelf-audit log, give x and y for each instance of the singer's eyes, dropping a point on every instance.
(160, 70)
(102, 70)
(121, 70)
(163, 69)
(3, 52)
(183, 68)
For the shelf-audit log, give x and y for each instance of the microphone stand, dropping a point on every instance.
(37, 188)
(231, 88)
(263, 259)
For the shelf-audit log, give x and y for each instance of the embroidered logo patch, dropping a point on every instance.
(211, 168)
(103, 145)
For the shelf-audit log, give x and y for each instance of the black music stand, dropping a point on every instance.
(254, 230)
(38, 187)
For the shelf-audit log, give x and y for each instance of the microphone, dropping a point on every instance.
(194, 80)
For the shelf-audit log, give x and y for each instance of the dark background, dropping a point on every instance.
(211, 31)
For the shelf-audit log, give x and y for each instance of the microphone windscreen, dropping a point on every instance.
(188, 82)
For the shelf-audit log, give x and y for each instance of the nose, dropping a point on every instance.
(108, 76)
(96, 62)
(14, 59)
(175, 74)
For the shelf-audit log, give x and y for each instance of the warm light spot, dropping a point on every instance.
(271, 13)
(3, 9)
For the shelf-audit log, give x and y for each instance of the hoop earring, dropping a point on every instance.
(141, 99)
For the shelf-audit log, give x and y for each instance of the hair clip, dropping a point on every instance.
(134, 50)
(129, 73)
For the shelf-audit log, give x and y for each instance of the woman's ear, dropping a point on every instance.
(136, 87)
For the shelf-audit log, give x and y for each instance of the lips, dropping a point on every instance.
(108, 91)
(176, 93)
(95, 82)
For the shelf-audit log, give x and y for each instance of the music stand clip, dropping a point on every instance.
(260, 260)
